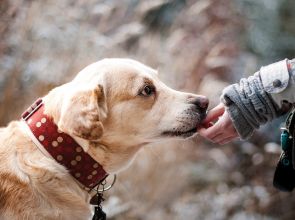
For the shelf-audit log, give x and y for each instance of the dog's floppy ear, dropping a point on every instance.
(82, 112)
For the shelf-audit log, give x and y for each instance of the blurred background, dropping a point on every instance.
(199, 46)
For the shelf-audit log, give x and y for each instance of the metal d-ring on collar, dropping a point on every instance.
(103, 183)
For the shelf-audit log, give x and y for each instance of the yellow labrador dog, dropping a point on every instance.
(84, 130)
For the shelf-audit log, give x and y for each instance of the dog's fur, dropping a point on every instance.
(108, 112)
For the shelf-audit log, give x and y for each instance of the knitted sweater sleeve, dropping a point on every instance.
(254, 101)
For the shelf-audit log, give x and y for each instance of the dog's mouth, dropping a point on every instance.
(187, 132)
(184, 134)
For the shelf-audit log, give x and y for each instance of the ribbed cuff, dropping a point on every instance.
(249, 105)
(241, 125)
(231, 98)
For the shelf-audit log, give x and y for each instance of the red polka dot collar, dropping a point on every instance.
(63, 148)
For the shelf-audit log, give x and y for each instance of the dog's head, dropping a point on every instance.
(120, 104)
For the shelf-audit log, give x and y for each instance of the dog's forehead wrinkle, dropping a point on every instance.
(120, 95)
(125, 88)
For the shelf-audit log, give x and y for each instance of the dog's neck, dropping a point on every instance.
(61, 147)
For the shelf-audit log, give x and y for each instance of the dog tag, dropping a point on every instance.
(99, 214)
(96, 199)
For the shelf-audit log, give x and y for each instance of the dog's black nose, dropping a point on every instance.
(201, 102)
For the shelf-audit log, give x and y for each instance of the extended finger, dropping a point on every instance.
(214, 113)
(211, 132)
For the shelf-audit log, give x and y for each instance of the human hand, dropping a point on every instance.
(223, 131)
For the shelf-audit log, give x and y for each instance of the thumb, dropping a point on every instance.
(214, 113)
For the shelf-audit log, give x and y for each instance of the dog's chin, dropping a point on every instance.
(180, 134)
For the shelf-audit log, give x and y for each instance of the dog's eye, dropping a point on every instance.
(148, 90)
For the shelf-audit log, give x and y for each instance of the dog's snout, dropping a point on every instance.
(201, 102)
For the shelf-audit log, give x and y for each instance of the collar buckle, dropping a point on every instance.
(32, 109)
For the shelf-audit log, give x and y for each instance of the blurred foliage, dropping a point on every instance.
(163, 15)
(270, 29)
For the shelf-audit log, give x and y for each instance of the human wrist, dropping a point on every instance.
(231, 98)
